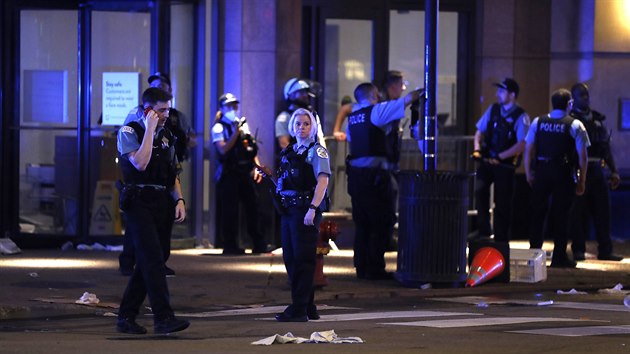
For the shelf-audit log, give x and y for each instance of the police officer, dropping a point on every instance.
(179, 125)
(238, 154)
(552, 143)
(178, 122)
(596, 199)
(374, 155)
(393, 87)
(152, 200)
(297, 94)
(303, 179)
(498, 143)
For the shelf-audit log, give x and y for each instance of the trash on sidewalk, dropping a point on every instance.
(94, 247)
(8, 247)
(316, 337)
(571, 292)
(67, 246)
(33, 275)
(63, 300)
(617, 289)
(88, 298)
(99, 247)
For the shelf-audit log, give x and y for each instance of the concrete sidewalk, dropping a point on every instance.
(47, 282)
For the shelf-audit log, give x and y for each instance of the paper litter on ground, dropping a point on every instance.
(617, 289)
(571, 292)
(88, 298)
(316, 337)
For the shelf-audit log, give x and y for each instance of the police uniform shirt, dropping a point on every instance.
(578, 132)
(282, 124)
(521, 126)
(317, 157)
(219, 133)
(128, 139)
(383, 114)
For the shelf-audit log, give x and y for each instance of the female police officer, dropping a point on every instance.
(303, 179)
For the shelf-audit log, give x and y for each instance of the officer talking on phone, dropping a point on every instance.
(151, 196)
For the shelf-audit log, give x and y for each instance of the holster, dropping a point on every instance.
(277, 202)
(127, 193)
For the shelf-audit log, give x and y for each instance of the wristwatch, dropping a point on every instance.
(312, 206)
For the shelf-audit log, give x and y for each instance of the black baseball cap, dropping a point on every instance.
(227, 98)
(159, 76)
(509, 84)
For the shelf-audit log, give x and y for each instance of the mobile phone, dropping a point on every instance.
(147, 110)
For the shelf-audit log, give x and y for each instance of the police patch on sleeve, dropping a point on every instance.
(321, 152)
(127, 129)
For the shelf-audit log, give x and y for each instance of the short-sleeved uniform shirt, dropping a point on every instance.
(383, 115)
(219, 133)
(521, 126)
(317, 157)
(578, 132)
(129, 141)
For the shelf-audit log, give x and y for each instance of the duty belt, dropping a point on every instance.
(595, 160)
(295, 199)
(156, 187)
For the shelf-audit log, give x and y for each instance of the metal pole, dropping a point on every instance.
(430, 84)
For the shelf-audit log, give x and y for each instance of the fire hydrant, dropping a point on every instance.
(327, 232)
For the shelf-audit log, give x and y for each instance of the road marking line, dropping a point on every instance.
(253, 311)
(482, 321)
(474, 300)
(579, 331)
(386, 315)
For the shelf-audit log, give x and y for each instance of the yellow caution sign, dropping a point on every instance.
(105, 211)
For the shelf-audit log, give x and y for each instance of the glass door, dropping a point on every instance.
(120, 63)
(346, 56)
(48, 114)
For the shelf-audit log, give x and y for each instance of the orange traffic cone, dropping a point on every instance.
(487, 264)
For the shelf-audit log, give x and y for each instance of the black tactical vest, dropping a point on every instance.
(181, 144)
(294, 172)
(554, 142)
(241, 156)
(500, 134)
(366, 139)
(161, 169)
(597, 133)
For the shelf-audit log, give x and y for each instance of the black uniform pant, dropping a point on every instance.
(234, 187)
(552, 195)
(374, 193)
(127, 259)
(150, 219)
(299, 247)
(503, 178)
(593, 205)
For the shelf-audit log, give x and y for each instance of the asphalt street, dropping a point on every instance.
(231, 301)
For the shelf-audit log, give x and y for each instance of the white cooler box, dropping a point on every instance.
(528, 265)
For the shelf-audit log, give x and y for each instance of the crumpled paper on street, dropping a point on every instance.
(571, 292)
(88, 298)
(617, 289)
(99, 247)
(316, 337)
